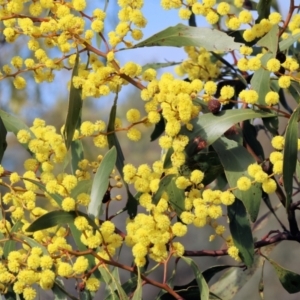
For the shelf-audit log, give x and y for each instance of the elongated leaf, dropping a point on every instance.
(3, 143)
(209, 273)
(182, 35)
(260, 81)
(74, 109)
(11, 244)
(157, 65)
(270, 40)
(290, 155)
(158, 129)
(112, 137)
(51, 219)
(111, 282)
(176, 197)
(234, 279)
(132, 204)
(210, 127)
(295, 91)
(235, 160)
(101, 182)
(241, 231)
(58, 199)
(59, 294)
(83, 186)
(12, 124)
(203, 287)
(285, 44)
(167, 161)
(263, 9)
(77, 154)
(282, 99)
(289, 280)
(33, 243)
(163, 184)
(139, 290)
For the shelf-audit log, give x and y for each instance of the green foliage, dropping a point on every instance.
(207, 125)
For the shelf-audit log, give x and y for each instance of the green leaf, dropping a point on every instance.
(58, 199)
(235, 160)
(112, 137)
(176, 197)
(206, 124)
(203, 287)
(285, 44)
(59, 292)
(290, 155)
(270, 40)
(272, 125)
(289, 280)
(131, 204)
(263, 9)
(163, 184)
(158, 129)
(3, 143)
(112, 282)
(167, 161)
(83, 186)
(298, 170)
(250, 137)
(77, 154)
(295, 91)
(33, 243)
(182, 35)
(11, 244)
(241, 231)
(157, 66)
(139, 289)
(51, 219)
(13, 124)
(101, 182)
(209, 273)
(234, 279)
(74, 109)
(260, 81)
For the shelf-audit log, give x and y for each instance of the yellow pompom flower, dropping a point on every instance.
(233, 23)
(244, 183)
(179, 229)
(212, 17)
(187, 217)
(227, 198)
(278, 167)
(278, 142)
(273, 65)
(223, 8)
(284, 81)
(253, 169)
(227, 92)
(275, 17)
(249, 35)
(234, 253)
(184, 13)
(19, 82)
(81, 264)
(182, 182)
(92, 284)
(134, 134)
(23, 136)
(79, 5)
(87, 128)
(269, 186)
(275, 156)
(133, 115)
(245, 16)
(272, 98)
(254, 64)
(68, 204)
(196, 176)
(29, 293)
(249, 96)
(210, 87)
(245, 50)
(261, 176)
(243, 64)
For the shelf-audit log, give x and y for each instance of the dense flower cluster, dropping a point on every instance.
(46, 185)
